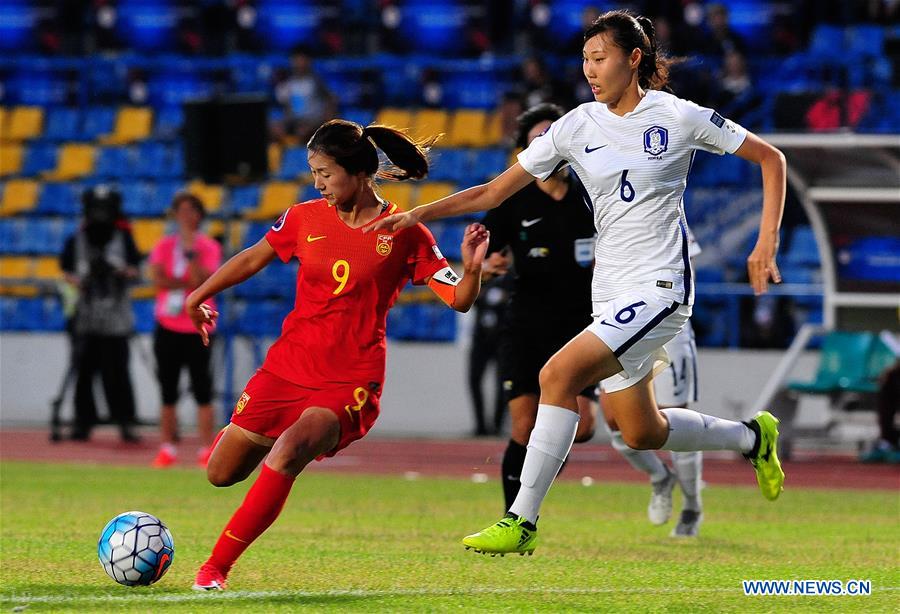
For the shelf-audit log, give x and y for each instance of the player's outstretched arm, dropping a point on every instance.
(239, 267)
(761, 265)
(479, 198)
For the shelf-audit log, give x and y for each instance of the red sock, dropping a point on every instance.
(259, 510)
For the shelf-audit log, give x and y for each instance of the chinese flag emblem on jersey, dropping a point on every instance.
(384, 244)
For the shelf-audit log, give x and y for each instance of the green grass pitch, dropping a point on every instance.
(357, 543)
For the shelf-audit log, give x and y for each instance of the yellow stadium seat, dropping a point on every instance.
(147, 234)
(25, 123)
(397, 193)
(76, 160)
(15, 267)
(47, 268)
(395, 118)
(429, 123)
(19, 195)
(146, 291)
(433, 190)
(210, 195)
(132, 124)
(11, 156)
(467, 129)
(229, 234)
(274, 155)
(493, 133)
(4, 122)
(275, 198)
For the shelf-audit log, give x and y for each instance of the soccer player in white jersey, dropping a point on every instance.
(631, 150)
(674, 387)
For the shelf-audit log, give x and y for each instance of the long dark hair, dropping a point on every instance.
(354, 148)
(631, 32)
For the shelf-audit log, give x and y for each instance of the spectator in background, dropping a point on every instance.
(723, 39)
(736, 94)
(179, 263)
(887, 448)
(306, 99)
(100, 261)
(509, 110)
(538, 85)
(490, 309)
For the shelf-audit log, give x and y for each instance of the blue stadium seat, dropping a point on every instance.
(244, 198)
(283, 26)
(450, 165)
(828, 42)
(113, 163)
(149, 25)
(59, 199)
(293, 163)
(168, 122)
(259, 318)
(97, 121)
(40, 156)
(254, 232)
(802, 249)
(363, 117)
(309, 192)
(866, 40)
(62, 124)
(144, 320)
(487, 164)
(18, 25)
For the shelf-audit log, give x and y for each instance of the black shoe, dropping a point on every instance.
(80, 434)
(129, 436)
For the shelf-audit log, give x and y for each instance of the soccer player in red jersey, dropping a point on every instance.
(318, 388)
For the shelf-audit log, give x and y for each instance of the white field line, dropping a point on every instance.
(215, 596)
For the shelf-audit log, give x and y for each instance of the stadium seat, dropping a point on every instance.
(132, 124)
(147, 233)
(11, 157)
(493, 133)
(60, 199)
(19, 196)
(63, 124)
(449, 165)
(802, 250)
(429, 123)
(46, 268)
(76, 160)
(434, 190)
(112, 163)
(276, 197)
(16, 268)
(468, 128)
(395, 118)
(97, 121)
(363, 117)
(842, 363)
(293, 163)
(210, 195)
(399, 194)
(243, 198)
(39, 157)
(488, 163)
(168, 122)
(24, 123)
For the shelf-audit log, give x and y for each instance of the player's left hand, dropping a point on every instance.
(474, 246)
(204, 318)
(761, 266)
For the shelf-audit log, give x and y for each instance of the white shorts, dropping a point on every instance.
(677, 385)
(636, 326)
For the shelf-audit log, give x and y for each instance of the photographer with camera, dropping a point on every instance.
(101, 261)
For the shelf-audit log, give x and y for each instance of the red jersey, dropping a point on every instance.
(347, 282)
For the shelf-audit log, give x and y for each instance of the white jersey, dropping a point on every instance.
(633, 170)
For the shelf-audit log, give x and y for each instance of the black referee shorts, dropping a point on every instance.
(526, 348)
(175, 351)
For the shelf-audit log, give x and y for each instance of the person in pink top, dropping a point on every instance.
(179, 263)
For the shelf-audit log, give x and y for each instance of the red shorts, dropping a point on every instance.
(270, 404)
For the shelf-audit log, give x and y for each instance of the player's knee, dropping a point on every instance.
(221, 477)
(553, 378)
(643, 439)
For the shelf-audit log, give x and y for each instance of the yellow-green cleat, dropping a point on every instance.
(511, 534)
(769, 474)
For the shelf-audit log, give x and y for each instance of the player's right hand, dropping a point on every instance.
(204, 318)
(395, 222)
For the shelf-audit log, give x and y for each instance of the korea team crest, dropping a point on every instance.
(384, 244)
(656, 140)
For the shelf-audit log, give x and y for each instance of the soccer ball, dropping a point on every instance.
(135, 549)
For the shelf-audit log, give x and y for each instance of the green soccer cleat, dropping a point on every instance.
(769, 474)
(509, 535)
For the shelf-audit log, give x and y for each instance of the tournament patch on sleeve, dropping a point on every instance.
(717, 119)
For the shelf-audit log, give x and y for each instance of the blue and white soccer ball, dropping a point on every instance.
(135, 549)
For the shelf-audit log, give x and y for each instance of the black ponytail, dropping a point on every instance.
(353, 147)
(632, 32)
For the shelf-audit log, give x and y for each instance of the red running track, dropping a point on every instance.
(462, 458)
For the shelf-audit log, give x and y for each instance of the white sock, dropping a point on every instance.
(549, 445)
(688, 468)
(690, 431)
(643, 460)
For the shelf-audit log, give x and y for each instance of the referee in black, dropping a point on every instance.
(544, 237)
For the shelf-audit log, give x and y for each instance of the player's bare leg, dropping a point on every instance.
(316, 432)
(236, 455)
